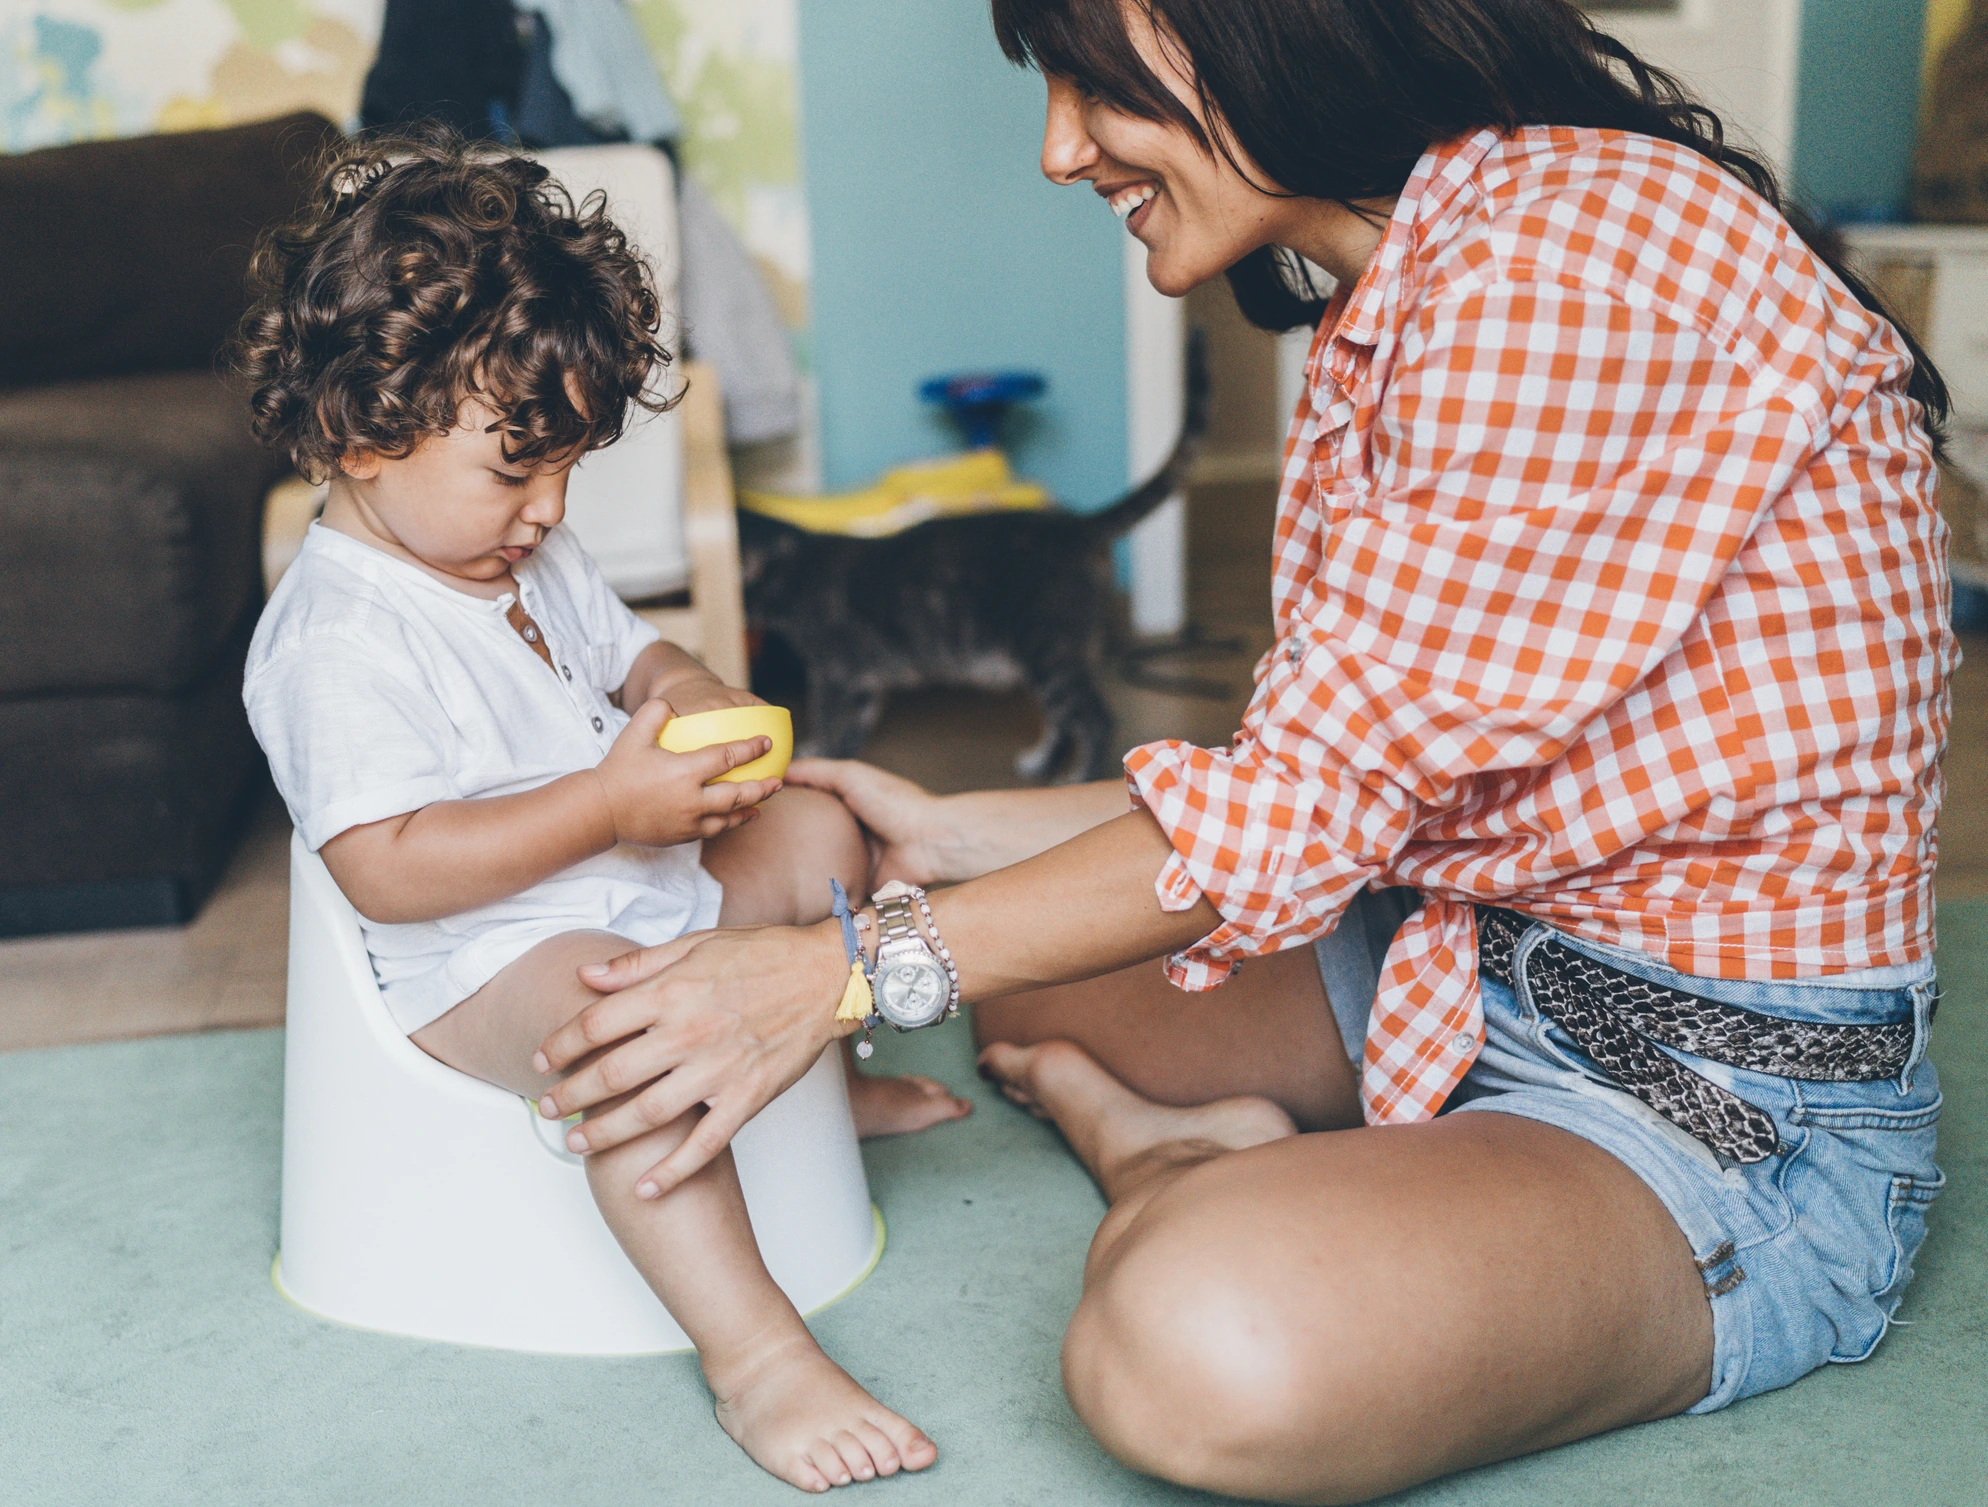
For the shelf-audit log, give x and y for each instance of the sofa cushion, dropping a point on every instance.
(129, 256)
(132, 513)
(124, 788)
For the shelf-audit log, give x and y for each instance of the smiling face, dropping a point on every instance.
(1198, 212)
(454, 506)
(1193, 210)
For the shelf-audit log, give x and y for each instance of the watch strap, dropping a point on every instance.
(896, 922)
(903, 931)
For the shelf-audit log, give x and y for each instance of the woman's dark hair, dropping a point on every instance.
(1338, 99)
(425, 270)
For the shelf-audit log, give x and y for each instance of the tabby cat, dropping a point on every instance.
(991, 600)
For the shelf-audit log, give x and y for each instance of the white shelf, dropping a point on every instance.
(1923, 240)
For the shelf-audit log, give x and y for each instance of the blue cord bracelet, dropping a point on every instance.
(853, 946)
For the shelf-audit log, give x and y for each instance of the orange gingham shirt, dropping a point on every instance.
(1609, 587)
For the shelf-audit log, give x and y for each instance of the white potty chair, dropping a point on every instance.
(419, 1201)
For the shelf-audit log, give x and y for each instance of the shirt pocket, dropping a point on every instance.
(600, 662)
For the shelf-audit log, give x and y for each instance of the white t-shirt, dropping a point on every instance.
(376, 689)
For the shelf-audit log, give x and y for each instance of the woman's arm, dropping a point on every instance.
(730, 1019)
(1087, 906)
(943, 839)
(452, 856)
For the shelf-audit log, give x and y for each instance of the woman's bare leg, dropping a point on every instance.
(775, 870)
(1332, 1317)
(1269, 1031)
(790, 1407)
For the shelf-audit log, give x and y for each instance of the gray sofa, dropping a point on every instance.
(130, 518)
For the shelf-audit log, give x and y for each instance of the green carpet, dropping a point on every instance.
(144, 1357)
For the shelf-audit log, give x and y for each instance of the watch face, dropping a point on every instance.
(913, 992)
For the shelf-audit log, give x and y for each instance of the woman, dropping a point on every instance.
(1597, 759)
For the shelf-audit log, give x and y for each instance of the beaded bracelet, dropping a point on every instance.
(939, 943)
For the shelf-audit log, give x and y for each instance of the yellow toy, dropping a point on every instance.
(979, 481)
(733, 724)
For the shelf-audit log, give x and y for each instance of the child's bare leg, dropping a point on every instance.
(775, 870)
(796, 1412)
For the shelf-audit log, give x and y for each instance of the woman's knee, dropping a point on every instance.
(1184, 1367)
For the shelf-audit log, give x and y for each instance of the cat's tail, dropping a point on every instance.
(1132, 508)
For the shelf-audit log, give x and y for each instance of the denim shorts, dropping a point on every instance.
(1806, 1254)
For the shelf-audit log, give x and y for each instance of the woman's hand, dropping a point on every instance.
(731, 1019)
(689, 1034)
(909, 837)
(924, 838)
(660, 799)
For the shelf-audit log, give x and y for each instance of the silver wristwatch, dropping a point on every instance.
(912, 985)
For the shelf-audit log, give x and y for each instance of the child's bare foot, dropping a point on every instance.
(1113, 1131)
(803, 1418)
(901, 1106)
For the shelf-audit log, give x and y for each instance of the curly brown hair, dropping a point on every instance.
(425, 270)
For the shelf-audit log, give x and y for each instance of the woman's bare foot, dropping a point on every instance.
(1115, 1133)
(804, 1419)
(901, 1106)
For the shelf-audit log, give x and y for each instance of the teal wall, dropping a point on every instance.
(939, 246)
(1857, 109)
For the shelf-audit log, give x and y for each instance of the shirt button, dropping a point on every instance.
(1462, 1042)
(598, 724)
(1291, 652)
(531, 635)
(566, 672)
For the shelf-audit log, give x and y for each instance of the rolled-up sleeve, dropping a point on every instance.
(1554, 482)
(350, 741)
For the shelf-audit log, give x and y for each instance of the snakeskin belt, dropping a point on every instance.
(1616, 1018)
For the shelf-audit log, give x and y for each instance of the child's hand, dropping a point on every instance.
(661, 799)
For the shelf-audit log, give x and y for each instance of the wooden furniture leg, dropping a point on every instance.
(712, 627)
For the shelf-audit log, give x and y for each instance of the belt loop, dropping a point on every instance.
(1925, 996)
(1536, 933)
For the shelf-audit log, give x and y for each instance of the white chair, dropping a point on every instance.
(655, 509)
(420, 1201)
(623, 502)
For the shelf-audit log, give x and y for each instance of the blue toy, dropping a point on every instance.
(978, 401)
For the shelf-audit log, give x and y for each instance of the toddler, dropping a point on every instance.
(462, 718)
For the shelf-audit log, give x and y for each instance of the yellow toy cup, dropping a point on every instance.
(734, 724)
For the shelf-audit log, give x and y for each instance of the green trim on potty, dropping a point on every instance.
(276, 1281)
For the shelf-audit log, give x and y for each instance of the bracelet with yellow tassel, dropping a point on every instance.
(859, 1001)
